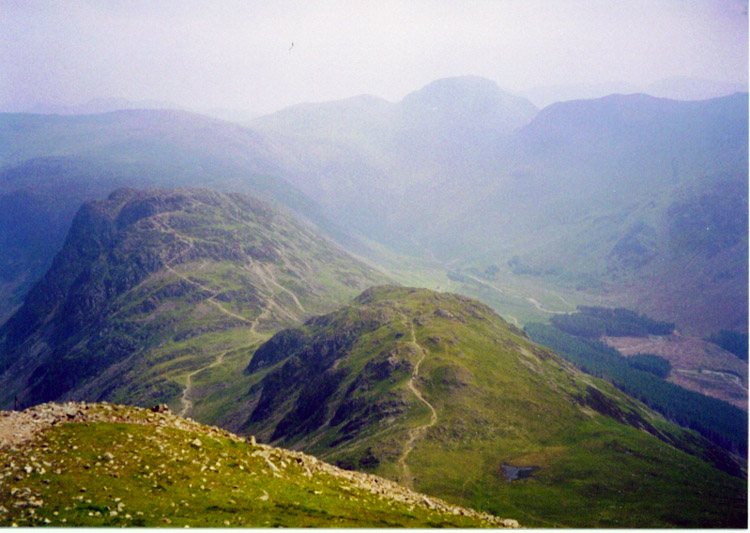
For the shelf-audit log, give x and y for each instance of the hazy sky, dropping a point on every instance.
(235, 54)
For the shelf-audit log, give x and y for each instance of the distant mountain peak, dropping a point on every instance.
(472, 83)
(469, 103)
(459, 89)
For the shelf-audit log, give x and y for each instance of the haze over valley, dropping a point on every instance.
(367, 240)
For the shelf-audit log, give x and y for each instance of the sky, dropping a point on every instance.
(265, 55)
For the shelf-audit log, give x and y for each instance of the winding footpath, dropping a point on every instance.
(419, 431)
(210, 299)
(190, 242)
(187, 403)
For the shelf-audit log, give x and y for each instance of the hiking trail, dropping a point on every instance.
(419, 431)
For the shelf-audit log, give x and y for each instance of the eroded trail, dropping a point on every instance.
(187, 403)
(190, 242)
(418, 432)
(210, 299)
(185, 399)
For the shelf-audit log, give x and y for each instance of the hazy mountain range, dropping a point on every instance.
(598, 195)
(674, 88)
(256, 276)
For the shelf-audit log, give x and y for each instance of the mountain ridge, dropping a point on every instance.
(402, 379)
(50, 165)
(147, 271)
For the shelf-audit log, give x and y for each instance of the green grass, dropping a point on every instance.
(502, 399)
(155, 476)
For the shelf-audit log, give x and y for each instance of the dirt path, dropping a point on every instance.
(544, 309)
(15, 429)
(717, 374)
(185, 400)
(190, 245)
(513, 320)
(419, 431)
(269, 277)
(187, 403)
(266, 278)
(20, 427)
(210, 299)
(486, 284)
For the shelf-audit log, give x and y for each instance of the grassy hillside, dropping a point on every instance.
(154, 287)
(403, 382)
(101, 465)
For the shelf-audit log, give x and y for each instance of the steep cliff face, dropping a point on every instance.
(148, 271)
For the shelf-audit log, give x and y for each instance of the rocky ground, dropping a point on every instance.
(18, 430)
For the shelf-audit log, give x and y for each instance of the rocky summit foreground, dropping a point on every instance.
(78, 464)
